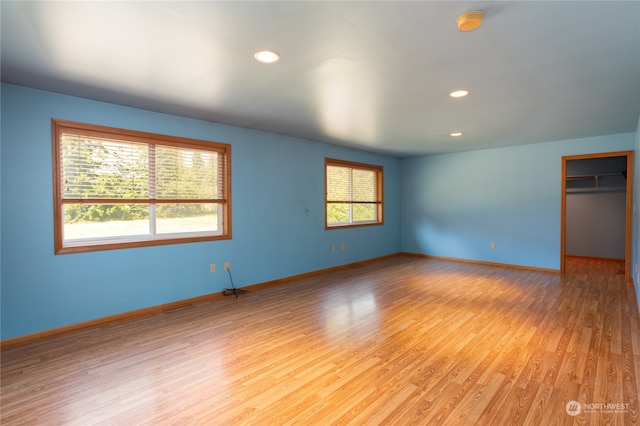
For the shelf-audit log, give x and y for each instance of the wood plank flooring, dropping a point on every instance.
(400, 342)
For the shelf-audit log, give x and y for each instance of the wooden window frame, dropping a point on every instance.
(379, 170)
(60, 127)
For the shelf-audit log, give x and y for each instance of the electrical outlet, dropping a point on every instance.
(333, 249)
(493, 245)
(344, 247)
(212, 268)
(226, 266)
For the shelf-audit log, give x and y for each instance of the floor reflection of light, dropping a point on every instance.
(112, 390)
(351, 315)
(141, 392)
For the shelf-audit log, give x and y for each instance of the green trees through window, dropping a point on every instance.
(123, 187)
(353, 193)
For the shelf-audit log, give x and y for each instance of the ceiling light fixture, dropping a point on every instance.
(459, 93)
(469, 21)
(456, 134)
(266, 56)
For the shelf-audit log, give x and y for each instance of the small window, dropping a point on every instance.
(353, 194)
(117, 188)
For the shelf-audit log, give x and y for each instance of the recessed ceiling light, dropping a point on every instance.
(266, 56)
(459, 93)
(456, 134)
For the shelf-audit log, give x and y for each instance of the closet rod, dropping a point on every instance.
(595, 177)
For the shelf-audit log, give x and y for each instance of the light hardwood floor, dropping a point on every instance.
(403, 341)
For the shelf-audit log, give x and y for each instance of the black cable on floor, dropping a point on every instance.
(233, 290)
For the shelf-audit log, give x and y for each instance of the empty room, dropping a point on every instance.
(319, 212)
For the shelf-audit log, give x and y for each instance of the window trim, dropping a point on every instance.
(379, 170)
(58, 127)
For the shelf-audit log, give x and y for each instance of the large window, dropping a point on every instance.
(353, 194)
(117, 188)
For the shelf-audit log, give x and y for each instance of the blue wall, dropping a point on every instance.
(451, 205)
(456, 205)
(278, 219)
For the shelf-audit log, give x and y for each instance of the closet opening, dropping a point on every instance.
(597, 208)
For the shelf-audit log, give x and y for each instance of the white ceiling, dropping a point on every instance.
(367, 74)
